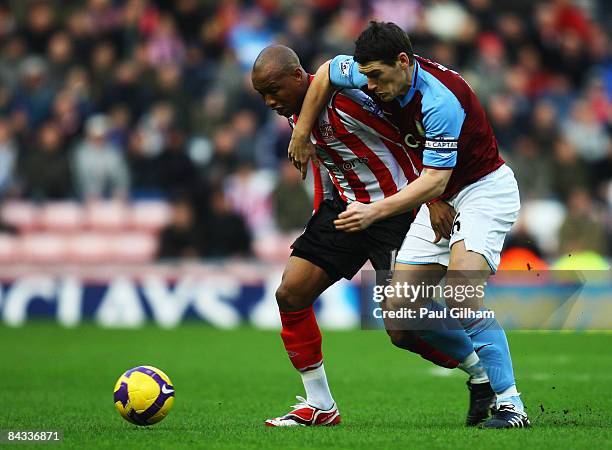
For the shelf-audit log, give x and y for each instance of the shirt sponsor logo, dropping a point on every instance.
(370, 106)
(346, 166)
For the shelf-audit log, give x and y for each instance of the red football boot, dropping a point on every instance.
(304, 415)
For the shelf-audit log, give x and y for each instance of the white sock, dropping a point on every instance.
(317, 390)
(474, 368)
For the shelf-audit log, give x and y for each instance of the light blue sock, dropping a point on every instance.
(490, 343)
(446, 334)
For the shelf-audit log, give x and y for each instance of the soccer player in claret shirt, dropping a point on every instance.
(440, 118)
(363, 160)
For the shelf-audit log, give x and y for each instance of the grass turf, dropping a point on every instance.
(228, 382)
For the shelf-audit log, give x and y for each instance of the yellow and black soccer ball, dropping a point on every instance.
(144, 395)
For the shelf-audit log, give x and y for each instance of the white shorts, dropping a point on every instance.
(485, 210)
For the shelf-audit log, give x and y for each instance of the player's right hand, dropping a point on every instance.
(299, 152)
(441, 215)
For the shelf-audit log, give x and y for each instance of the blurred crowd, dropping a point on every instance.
(137, 99)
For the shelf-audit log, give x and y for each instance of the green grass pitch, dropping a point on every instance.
(228, 382)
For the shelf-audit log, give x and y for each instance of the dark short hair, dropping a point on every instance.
(382, 41)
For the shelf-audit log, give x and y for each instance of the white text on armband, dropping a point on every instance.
(441, 145)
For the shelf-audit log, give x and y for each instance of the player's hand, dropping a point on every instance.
(441, 215)
(357, 217)
(300, 151)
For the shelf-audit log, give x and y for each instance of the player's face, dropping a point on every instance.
(386, 81)
(280, 92)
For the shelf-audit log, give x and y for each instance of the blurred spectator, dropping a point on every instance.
(583, 229)
(103, 17)
(249, 194)
(144, 169)
(178, 174)
(249, 37)
(502, 114)
(568, 170)
(292, 205)
(244, 124)
(586, 133)
(11, 56)
(169, 90)
(39, 25)
(532, 169)
(181, 238)
(224, 232)
(60, 56)
(102, 61)
(340, 33)
(126, 88)
(298, 35)
(154, 126)
(486, 73)
(66, 115)
(34, 96)
(45, 169)
(405, 13)
(224, 160)
(189, 16)
(448, 20)
(165, 45)
(544, 126)
(120, 121)
(210, 113)
(99, 167)
(7, 21)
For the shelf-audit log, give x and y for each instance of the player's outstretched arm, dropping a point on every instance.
(319, 92)
(429, 185)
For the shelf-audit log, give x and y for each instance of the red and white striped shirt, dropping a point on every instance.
(359, 149)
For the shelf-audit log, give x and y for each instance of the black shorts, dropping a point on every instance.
(342, 254)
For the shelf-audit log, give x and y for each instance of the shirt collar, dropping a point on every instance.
(403, 101)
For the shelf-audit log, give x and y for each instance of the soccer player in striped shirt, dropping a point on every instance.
(441, 119)
(362, 156)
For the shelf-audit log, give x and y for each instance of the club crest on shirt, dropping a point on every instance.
(326, 130)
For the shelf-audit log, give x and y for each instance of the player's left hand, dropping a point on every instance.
(441, 216)
(299, 152)
(357, 217)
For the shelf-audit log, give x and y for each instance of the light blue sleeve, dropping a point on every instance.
(344, 73)
(443, 118)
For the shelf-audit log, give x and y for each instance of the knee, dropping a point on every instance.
(396, 337)
(402, 339)
(288, 299)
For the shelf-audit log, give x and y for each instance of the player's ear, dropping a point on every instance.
(298, 73)
(404, 60)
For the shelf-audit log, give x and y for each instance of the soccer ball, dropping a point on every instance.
(144, 395)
